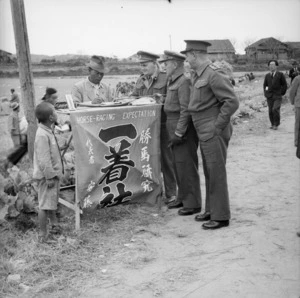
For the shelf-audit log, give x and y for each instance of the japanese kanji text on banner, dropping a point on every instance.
(117, 154)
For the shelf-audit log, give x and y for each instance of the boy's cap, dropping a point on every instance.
(170, 55)
(14, 105)
(146, 56)
(196, 45)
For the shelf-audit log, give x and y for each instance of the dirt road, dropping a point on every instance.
(257, 256)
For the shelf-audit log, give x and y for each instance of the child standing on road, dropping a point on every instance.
(47, 168)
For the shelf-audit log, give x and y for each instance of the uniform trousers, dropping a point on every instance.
(297, 124)
(167, 165)
(274, 111)
(186, 166)
(214, 154)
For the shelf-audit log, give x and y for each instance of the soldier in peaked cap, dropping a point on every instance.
(154, 82)
(183, 136)
(211, 105)
(91, 88)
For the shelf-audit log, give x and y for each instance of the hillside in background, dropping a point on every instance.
(75, 65)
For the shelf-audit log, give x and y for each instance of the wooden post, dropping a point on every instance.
(25, 72)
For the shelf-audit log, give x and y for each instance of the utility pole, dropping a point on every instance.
(170, 37)
(25, 71)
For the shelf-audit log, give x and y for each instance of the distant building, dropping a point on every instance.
(221, 49)
(294, 49)
(5, 57)
(133, 58)
(266, 49)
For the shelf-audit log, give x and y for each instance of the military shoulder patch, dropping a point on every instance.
(213, 66)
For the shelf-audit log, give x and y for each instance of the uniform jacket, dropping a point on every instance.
(177, 101)
(295, 92)
(212, 97)
(145, 86)
(275, 88)
(47, 162)
(85, 90)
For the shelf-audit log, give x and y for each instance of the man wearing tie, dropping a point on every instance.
(275, 87)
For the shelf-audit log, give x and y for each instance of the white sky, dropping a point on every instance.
(122, 27)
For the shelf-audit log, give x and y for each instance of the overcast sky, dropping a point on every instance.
(122, 27)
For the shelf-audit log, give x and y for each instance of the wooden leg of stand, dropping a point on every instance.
(77, 218)
(77, 211)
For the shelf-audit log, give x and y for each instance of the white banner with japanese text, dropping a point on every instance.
(117, 152)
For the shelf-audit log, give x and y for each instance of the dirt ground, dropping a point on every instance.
(258, 255)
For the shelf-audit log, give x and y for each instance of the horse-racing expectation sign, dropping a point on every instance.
(117, 154)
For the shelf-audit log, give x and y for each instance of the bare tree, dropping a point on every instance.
(248, 41)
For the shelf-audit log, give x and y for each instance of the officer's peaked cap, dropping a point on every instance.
(147, 56)
(170, 55)
(196, 45)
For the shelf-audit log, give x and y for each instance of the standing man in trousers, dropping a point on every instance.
(211, 105)
(295, 100)
(153, 82)
(274, 88)
(183, 136)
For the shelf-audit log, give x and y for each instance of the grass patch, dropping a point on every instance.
(63, 269)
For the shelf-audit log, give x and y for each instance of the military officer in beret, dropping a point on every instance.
(91, 89)
(153, 82)
(211, 105)
(183, 136)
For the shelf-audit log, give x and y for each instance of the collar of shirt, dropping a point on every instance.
(202, 68)
(153, 77)
(43, 126)
(273, 73)
(178, 73)
(97, 86)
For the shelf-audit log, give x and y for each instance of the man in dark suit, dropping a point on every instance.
(274, 88)
(294, 71)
